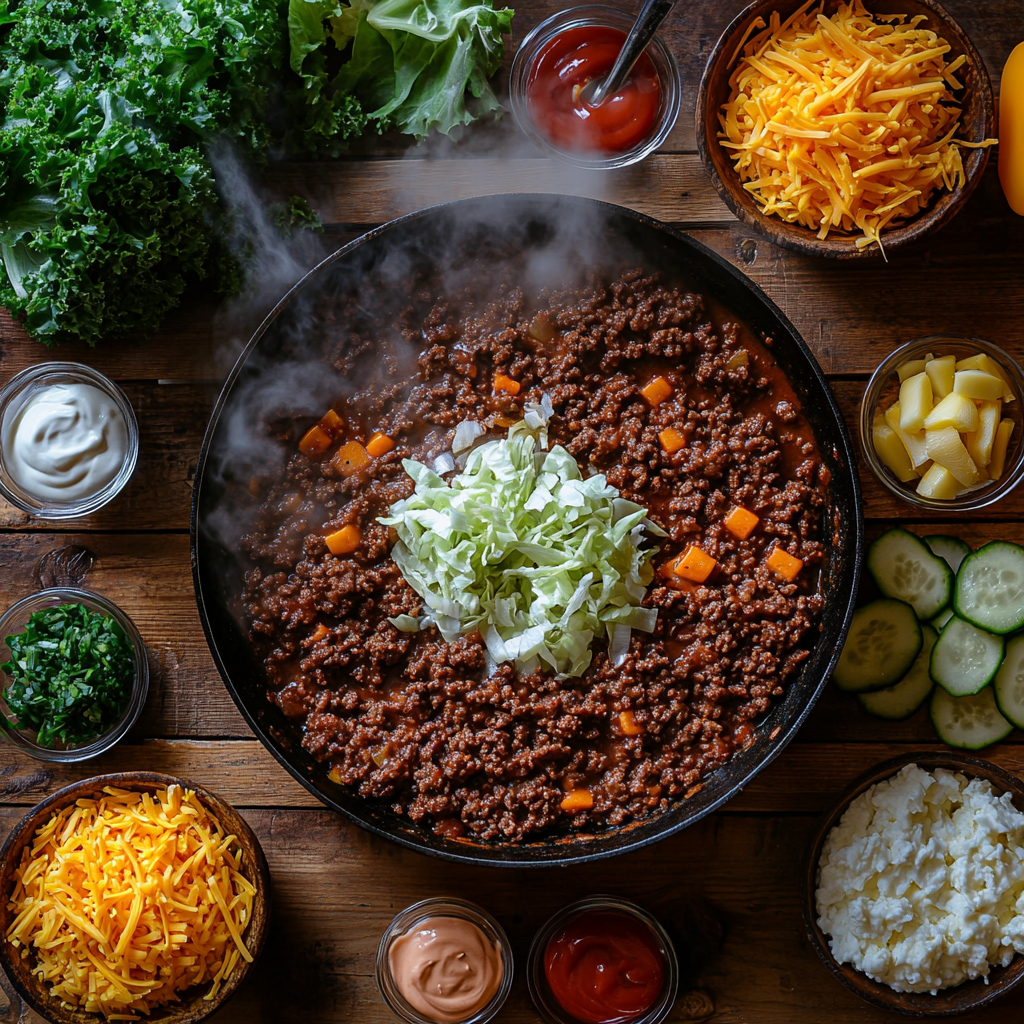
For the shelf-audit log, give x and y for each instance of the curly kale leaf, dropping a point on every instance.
(107, 202)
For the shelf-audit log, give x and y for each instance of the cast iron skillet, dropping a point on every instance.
(534, 241)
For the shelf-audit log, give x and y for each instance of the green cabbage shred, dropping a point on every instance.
(523, 549)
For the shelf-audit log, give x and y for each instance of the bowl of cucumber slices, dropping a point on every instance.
(946, 630)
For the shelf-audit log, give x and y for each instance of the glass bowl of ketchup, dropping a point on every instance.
(603, 960)
(551, 70)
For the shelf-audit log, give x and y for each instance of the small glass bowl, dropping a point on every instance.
(13, 396)
(540, 992)
(14, 620)
(441, 907)
(883, 389)
(605, 17)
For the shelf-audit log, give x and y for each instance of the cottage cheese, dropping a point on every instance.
(920, 884)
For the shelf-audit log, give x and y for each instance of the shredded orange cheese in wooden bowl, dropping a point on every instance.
(128, 900)
(844, 122)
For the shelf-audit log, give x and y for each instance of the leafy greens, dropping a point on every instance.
(405, 64)
(107, 202)
(520, 547)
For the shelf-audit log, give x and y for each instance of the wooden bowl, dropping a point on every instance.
(977, 123)
(947, 1003)
(192, 1006)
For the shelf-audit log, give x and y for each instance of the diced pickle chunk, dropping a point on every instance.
(977, 384)
(915, 402)
(941, 372)
(953, 411)
(939, 483)
(945, 448)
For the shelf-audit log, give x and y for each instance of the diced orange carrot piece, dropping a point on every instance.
(506, 384)
(657, 391)
(315, 442)
(740, 523)
(578, 800)
(695, 565)
(378, 445)
(319, 633)
(350, 458)
(344, 541)
(783, 564)
(629, 725)
(331, 423)
(671, 440)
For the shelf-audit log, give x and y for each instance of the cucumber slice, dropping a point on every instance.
(990, 587)
(1009, 683)
(965, 659)
(939, 621)
(968, 723)
(884, 640)
(905, 569)
(903, 699)
(952, 549)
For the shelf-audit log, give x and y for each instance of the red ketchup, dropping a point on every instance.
(604, 967)
(556, 80)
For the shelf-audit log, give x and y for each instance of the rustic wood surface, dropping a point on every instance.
(728, 888)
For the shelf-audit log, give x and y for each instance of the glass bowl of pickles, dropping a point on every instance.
(941, 423)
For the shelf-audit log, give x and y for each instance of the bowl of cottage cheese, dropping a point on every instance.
(915, 884)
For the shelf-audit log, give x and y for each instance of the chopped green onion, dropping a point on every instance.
(71, 675)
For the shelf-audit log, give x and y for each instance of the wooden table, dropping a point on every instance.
(728, 886)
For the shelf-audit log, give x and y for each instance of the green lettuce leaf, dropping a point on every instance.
(520, 547)
(410, 66)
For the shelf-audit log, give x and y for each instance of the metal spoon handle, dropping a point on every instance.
(651, 15)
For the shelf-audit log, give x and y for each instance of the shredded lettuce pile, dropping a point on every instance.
(523, 549)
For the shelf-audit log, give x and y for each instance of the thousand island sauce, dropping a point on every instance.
(554, 93)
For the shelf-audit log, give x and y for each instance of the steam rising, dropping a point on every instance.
(298, 368)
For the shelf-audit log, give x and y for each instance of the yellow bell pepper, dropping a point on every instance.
(1011, 130)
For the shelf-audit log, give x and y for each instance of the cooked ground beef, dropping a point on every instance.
(416, 721)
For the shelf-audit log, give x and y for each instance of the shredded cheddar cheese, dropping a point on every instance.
(844, 123)
(126, 901)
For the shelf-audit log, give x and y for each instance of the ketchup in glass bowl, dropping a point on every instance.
(551, 70)
(602, 960)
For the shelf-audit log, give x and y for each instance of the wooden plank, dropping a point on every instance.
(728, 890)
(246, 774)
(172, 419)
(669, 187)
(242, 771)
(149, 577)
(851, 314)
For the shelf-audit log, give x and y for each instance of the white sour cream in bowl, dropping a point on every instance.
(68, 440)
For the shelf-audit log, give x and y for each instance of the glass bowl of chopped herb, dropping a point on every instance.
(73, 674)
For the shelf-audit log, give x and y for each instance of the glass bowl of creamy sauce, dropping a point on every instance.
(69, 440)
(444, 961)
